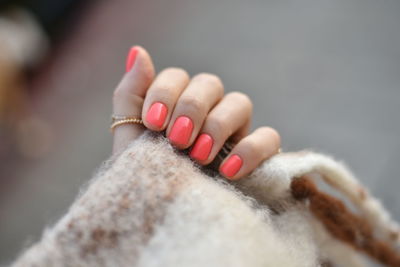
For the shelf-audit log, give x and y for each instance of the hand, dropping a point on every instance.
(195, 114)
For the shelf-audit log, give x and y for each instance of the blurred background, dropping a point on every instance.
(326, 74)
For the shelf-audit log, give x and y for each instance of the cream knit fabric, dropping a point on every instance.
(151, 206)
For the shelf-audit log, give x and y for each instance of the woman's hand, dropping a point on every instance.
(195, 114)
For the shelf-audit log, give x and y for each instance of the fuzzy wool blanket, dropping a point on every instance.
(152, 206)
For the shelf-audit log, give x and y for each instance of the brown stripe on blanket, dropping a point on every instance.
(343, 224)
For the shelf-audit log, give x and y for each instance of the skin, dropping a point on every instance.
(202, 99)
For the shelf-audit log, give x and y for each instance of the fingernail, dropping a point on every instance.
(157, 114)
(202, 147)
(231, 166)
(181, 131)
(130, 60)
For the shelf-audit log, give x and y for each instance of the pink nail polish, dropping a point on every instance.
(181, 131)
(231, 166)
(130, 60)
(202, 147)
(156, 114)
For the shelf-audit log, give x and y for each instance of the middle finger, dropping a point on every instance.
(202, 93)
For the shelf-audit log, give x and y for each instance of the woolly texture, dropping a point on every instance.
(153, 207)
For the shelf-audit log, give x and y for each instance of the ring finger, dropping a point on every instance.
(230, 118)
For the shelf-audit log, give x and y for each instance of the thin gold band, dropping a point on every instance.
(122, 117)
(120, 120)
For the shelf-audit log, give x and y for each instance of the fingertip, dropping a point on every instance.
(140, 73)
(156, 116)
(130, 60)
(139, 66)
(202, 148)
(231, 167)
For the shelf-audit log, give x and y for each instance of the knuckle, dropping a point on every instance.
(243, 99)
(277, 137)
(192, 102)
(209, 78)
(161, 91)
(148, 76)
(166, 87)
(253, 148)
(118, 94)
(175, 71)
(271, 133)
(218, 125)
(251, 144)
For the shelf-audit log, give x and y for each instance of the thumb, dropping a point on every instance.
(129, 95)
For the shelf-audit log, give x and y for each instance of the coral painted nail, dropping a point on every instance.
(181, 131)
(130, 60)
(202, 147)
(157, 114)
(231, 166)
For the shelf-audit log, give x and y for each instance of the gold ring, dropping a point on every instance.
(121, 117)
(120, 120)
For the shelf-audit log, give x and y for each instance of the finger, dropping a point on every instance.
(129, 94)
(250, 152)
(230, 118)
(203, 92)
(162, 97)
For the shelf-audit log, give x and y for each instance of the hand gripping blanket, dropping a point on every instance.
(152, 206)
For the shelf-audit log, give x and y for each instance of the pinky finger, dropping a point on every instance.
(250, 152)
